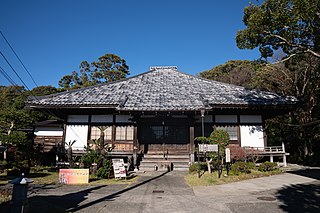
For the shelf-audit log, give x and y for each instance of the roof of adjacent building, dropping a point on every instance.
(49, 123)
(161, 89)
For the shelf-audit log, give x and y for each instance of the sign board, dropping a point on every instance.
(73, 176)
(119, 168)
(228, 160)
(208, 147)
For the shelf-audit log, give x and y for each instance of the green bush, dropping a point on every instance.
(242, 167)
(220, 137)
(3, 165)
(267, 166)
(194, 167)
(106, 170)
(89, 158)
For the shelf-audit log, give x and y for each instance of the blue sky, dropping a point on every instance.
(53, 37)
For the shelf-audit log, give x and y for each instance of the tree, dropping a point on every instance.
(220, 137)
(108, 68)
(15, 119)
(299, 76)
(292, 26)
(235, 72)
(43, 90)
(12, 113)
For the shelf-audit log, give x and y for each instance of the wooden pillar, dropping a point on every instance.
(191, 150)
(136, 148)
(113, 136)
(265, 136)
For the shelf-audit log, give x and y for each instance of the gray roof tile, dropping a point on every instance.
(161, 89)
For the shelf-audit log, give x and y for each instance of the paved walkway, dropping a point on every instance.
(297, 191)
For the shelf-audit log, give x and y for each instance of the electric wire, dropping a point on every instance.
(6, 76)
(18, 58)
(26, 86)
(14, 70)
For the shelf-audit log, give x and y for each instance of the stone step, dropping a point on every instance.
(163, 167)
(168, 156)
(158, 161)
(152, 162)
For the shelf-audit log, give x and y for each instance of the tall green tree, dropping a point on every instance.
(108, 68)
(292, 26)
(15, 119)
(235, 72)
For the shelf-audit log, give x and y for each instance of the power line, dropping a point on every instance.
(14, 70)
(13, 83)
(47, 110)
(6, 76)
(18, 58)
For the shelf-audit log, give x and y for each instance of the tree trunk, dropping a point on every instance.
(208, 165)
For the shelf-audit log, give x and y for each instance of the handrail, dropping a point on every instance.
(267, 149)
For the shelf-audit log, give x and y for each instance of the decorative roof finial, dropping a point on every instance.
(163, 68)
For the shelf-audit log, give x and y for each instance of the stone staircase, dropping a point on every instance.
(159, 162)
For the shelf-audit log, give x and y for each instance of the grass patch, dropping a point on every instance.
(5, 195)
(212, 179)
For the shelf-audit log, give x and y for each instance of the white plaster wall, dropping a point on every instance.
(78, 133)
(252, 136)
(48, 131)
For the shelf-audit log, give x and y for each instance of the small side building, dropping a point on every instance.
(48, 138)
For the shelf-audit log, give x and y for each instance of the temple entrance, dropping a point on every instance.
(171, 138)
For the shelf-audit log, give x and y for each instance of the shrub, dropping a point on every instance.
(106, 170)
(220, 137)
(194, 167)
(242, 167)
(89, 158)
(267, 166)
(3, 165)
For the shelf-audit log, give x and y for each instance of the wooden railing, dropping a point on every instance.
(265, 150)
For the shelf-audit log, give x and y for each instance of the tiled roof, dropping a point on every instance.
(161, 89)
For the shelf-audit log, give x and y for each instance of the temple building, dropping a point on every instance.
(160, 112)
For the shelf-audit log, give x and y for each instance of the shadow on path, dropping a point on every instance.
(71, 202)
(114, 195)
(300, 197)
(311, 173)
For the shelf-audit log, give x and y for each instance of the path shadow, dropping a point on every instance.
(311, 173)
(71, 202)
(116, 194)
(61, 203)
(300, 198)
(31, 175)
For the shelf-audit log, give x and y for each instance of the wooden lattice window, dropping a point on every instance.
(124, 133)
(96, 132)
